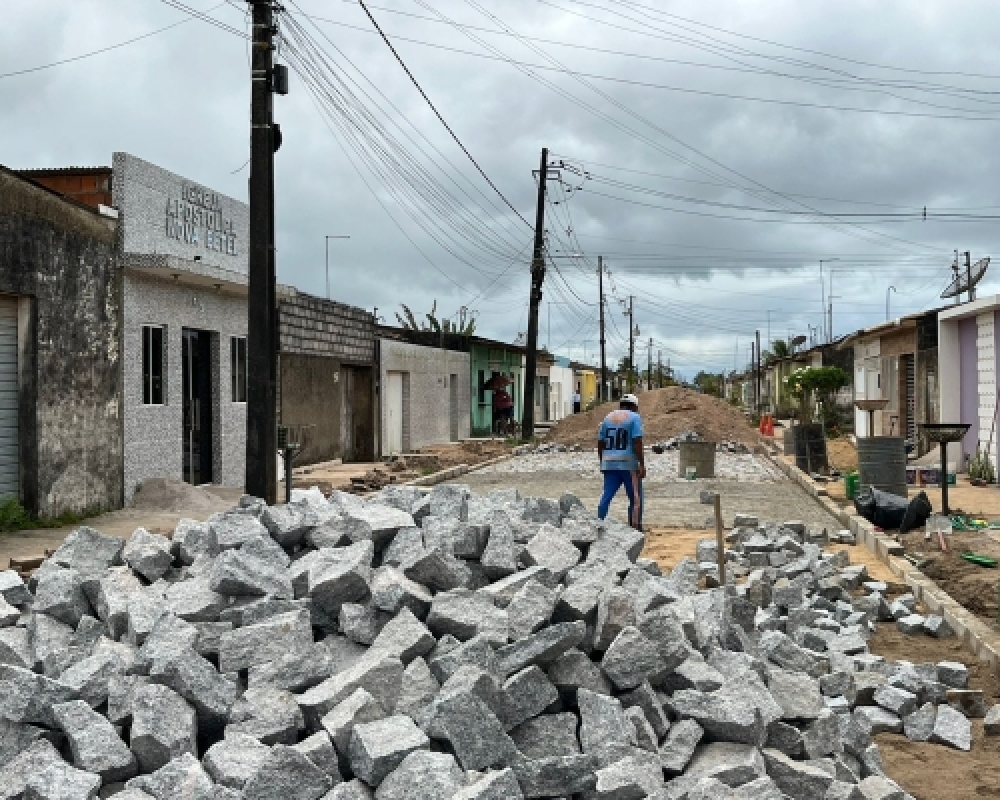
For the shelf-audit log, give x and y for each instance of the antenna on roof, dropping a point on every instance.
(966, 281)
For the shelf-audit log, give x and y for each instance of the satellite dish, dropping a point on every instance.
(966, 280)
(797, 340)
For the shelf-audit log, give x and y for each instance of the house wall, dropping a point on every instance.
(154, 433)
(60, 261)
(431, 372)
(968, 332)
(587, 381)
(867, 374)
(326, 364)
(894, 346)
(562, 382)
(485, 361)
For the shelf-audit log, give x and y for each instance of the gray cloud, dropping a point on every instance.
(180, 99)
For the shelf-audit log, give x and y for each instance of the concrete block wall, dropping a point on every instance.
(59, 259)
(153, 433)
(427, 414)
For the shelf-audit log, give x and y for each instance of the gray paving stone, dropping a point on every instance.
(95, 744)
(797, 694)
(12, 588)
(148, 554)
(547, 736)
(438, 571)
(182, 778)
(195, 679)
(878, 787)
(419, 687)
(60, 595)
(62, 782)
(377, 748)
(644, 698)
(899, 701)
(629, 777)
(237, 573)
(558, 776)
(28, 698)
(342, 575)
(422, 775)
(236, 530)
(501, 785)
(615, 611)
(233, 760)
(645, 736)
(357, 708)
(574, 670)
(378, 674)
(919, 725)
(501, 554)
(875, 720)
(351, 790)
(289, 524)
(632, 659)
(503, 590)
(376, 523)
(953, 674)
(15, 773)
(319, 749)
(526, 694)
(89, 552)
(551, 549)
(541, 648)
(799, 780)
(288, 774)
(270, 715)
(991, 722)
(530, 609)
(392, 591)
(266, 641)
(164, 727)
(728, 762)
(192, 539)
(727, 717)
(88, 679)
(471, 729)
(464, 614)
(406, 544)
(194, 600)
(605, 731)
(952, 729)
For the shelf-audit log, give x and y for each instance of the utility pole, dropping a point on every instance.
(262, 328)
(630, 384)
(534, 300)
(649, 365)
(757, 367)
(659, 369)
(604, 364)
(968, 275)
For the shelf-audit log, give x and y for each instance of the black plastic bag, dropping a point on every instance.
(917, 513)
(881, 508)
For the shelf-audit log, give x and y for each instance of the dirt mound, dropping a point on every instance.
(665, 413)
(170, 496)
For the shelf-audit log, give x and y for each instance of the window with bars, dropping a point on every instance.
(152, 365)
(238, 368)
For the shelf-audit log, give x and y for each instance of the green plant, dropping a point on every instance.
(815, 386)
(981, 468)
(13, 517)
(464, 326)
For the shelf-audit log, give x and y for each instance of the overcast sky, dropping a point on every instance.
(712, 125)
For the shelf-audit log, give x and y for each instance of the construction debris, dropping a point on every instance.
(449, 645)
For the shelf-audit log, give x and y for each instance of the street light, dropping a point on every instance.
(328, 238)
(890, 289)
(822, 295)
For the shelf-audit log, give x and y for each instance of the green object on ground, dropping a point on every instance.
(852, 484)
(982, 561)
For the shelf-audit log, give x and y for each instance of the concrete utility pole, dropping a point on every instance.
(602, 393)
(262, 327)
(630, 384)
(649, 365)
(659, 369)
(757, 366)
(534, 300)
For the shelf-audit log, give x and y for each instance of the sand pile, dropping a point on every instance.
(170, 496)
(666, 413)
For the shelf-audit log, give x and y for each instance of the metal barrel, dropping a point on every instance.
(882, 463)
(700, 455)
(810, 447)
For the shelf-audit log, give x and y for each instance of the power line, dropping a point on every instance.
(438, 114)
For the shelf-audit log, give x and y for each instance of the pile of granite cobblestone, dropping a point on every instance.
(451, 645)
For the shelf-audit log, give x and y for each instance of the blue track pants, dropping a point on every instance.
(613, 481)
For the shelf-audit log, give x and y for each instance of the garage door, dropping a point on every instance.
(8, 397)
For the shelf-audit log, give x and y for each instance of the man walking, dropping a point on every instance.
(619, 447)
(576, 400)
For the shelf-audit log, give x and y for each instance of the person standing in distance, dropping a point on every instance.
(619, 447)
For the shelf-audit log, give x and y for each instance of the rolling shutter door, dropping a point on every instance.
(8, 398)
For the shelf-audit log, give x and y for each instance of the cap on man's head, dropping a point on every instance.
(630, 399)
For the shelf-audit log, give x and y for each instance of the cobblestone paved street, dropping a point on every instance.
(748, 484)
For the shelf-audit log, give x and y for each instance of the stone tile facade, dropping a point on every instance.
(314, 326)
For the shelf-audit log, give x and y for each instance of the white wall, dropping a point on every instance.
(562, 384)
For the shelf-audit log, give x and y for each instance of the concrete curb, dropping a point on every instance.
(453, 472)
(975, 634)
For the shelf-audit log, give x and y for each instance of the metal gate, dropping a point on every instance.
(9, 467)
(911, 397)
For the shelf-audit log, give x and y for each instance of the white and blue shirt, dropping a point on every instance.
(618, 432)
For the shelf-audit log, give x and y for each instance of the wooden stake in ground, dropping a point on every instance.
(720, 540)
